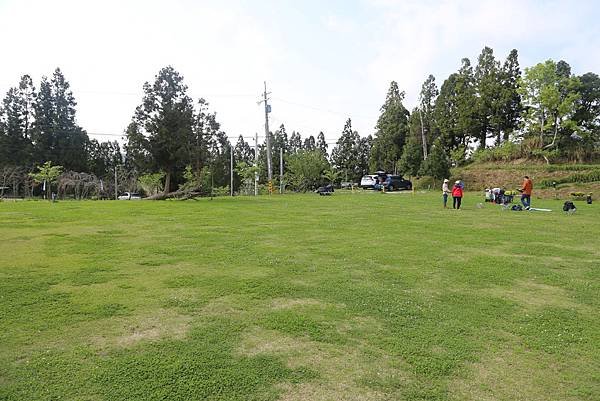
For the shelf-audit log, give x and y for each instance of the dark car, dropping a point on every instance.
(395, 182)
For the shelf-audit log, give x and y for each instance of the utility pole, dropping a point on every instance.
(280, 170)
(423, 139)
(231, 168)
(256, 163)
(268, 137)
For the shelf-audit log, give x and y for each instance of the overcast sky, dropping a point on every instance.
(324, 61)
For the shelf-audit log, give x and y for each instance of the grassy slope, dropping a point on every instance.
(510, 176)
(349, 297)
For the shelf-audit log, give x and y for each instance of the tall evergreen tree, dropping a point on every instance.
(488, 89)
(391, 131)
(55, 133)
(309, 143)
(295, 143)
(346, 154)
(511, 107)
(165, 119)
(455, 112)
(16, 118)
(322, 144)
(427, 97)
(72, 140)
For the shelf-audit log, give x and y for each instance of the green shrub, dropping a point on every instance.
(426, 182)
(579, 178)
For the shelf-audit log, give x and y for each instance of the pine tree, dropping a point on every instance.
(295, 143)
(511, 107)
(71, 140)
(391, 131)
(309, 143)
(165, 120)
(322, 144)
(488, 89)
(437, 164)
(346, 154)
(427, 97)
(412, 157)
(15, 122)
(55, 133)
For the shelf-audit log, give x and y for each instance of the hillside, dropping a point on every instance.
(568, 177)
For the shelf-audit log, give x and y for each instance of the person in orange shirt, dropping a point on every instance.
(526, 189)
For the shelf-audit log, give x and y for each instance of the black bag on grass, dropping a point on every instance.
(569, 206)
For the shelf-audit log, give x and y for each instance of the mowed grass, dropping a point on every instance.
(298, 297)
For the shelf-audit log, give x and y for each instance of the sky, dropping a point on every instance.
(323, 61)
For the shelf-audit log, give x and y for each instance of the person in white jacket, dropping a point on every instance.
(445, 192)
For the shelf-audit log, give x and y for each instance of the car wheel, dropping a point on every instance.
(391, 188)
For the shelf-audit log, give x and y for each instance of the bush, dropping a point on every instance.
(505, 152)
(426, 183)
(580, 178)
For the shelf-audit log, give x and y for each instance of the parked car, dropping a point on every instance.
(368, 181)
(394, 182)
(129, 196)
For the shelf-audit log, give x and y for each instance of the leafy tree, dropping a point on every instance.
(306, 168)
(391, 131)
(163, 123)
(247, 172)
(550, 93)
(331, 175)
(48, 174)
(152, 183)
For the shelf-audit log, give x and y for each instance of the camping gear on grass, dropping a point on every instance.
(325, 191)
(569, 207)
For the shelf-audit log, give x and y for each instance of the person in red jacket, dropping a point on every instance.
(457, 194)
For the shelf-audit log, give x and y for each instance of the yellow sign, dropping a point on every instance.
(270, 186)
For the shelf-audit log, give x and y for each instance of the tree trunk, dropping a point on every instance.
(555, 133)
(167, 182)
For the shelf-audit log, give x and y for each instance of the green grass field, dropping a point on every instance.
(298, 297)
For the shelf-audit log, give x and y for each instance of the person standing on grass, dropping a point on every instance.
(457, 194)
(526, 189)
(445, 192)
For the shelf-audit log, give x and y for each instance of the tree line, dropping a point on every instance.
(491, 111)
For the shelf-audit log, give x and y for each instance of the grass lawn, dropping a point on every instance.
(298, 297)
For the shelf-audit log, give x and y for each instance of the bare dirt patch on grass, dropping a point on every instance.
(343, 371)
(162, 324)
(513, 374)
(534, 295)
(286, 303)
